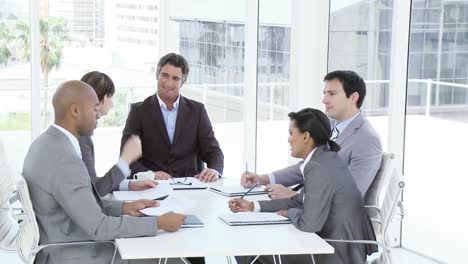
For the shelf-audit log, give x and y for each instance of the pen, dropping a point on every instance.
(246, 169)
(255, 185)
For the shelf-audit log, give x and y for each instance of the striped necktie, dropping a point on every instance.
(335, 133)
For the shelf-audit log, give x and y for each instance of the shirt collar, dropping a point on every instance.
(71, 137)
(342, 125)
(162, 104)
(307, 159)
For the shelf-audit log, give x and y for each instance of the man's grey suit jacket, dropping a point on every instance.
(331, 206)
(360, 149)
(68, 209)
(111, 180)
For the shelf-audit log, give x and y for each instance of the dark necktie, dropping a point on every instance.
(337, 133)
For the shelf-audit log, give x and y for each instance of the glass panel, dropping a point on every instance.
(366, 28)
(211, 36)
(435, 179)
(274, 91)
(117, 38)
(15, 81)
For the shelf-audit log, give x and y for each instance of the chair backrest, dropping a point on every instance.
(374, 194)
(28, 237)
(8, 224)
(390, 202)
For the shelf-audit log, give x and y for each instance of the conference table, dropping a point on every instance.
(217, 238)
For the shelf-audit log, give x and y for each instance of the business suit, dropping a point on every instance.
(111, 180)
(193, 138)
(68, 208)
(360, 149)
(329, 205)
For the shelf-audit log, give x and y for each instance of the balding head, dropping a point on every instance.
(75, 106)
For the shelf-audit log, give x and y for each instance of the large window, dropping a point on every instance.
(15, 81)
(435, 146)
(366, 28)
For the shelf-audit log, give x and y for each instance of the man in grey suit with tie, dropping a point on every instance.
(360, 144)
(67, 206)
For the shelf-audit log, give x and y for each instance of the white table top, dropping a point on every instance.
(219, 239)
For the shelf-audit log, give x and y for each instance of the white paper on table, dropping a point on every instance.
(163, 189)
(176, 205)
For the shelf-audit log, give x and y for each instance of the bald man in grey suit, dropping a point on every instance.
(67, 206)
(360, 144)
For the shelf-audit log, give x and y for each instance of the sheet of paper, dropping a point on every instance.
(163, 189)
(176, 205)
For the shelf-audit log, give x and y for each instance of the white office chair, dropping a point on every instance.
(8, 225)
(375, 200)
(27, 243)
(380, 181)
(383, 218)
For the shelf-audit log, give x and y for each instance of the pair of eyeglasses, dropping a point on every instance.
(180, 182)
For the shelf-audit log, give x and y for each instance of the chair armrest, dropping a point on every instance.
(373, 242)
(372, 207)
(78, 243)
(402, 209)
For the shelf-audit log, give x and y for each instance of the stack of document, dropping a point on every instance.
(237, 190)
(250, 218)
(159, 192)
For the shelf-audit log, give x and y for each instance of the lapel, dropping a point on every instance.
(57, 133)
(159, 119)
(182, 116)
(309, 166)
(350, 129)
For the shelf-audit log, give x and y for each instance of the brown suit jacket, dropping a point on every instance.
(193, 138)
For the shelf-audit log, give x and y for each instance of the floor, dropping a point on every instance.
(399, 255)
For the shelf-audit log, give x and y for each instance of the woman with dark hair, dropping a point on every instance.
(329, 204)
(114, 179)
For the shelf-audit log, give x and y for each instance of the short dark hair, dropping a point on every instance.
(100, 82)
(175, 60)
(317, 124)
(351, 82)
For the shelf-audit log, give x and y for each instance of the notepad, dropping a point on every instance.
(162, 190)
(192, 221)
(250, 218)
(188, 183)
(237, 190)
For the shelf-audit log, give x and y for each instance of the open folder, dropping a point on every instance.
(237, 190)
(250, 218)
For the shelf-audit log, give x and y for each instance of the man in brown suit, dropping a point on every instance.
(175, 132)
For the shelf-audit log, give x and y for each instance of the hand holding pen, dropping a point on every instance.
(240, 204)
(248, 179)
